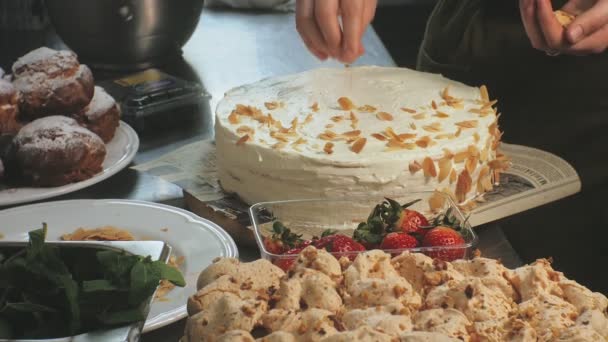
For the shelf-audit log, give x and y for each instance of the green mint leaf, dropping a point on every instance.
(122, 317)
(117, 265)
(71, 294)
(170, 273)
(36, 243)
(144, 280)
(29, 307)
(98, 285)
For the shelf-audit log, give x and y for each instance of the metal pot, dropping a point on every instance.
(125, 34)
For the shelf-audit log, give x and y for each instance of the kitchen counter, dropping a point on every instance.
(228, 49)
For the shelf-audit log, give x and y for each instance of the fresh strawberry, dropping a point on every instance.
(398, 241)
(444, 236)
(282, 239)
(338, 243)
(286, 263)
(399, 218)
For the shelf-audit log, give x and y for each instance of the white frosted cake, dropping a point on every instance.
(364, 131)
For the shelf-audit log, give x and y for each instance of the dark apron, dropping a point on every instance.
(558, 104)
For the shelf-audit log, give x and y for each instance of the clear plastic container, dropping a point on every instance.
(312, 217)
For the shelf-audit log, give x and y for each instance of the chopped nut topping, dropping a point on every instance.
(351, 134)
(406, 136)
(245, 130)
(415, 167)
(434, 104)
(337, 118)
(367, 109)
(328, 148)
(461, 156)
(434, 127)
(424, 142)
(428, 166)
(483, 90)
(408, 110)
(358, 145)
(379, 136)
(328, 135)
(345, 103)
(384, 116)
(441, 115)
(445, 167)
(394, 144)
(242, 140)
(233, 118)
(315, 107)
(467, 124)
(463, 186)
(419, 116)
(271, 105)
(471, 164)
(354, 120)
(308, 119)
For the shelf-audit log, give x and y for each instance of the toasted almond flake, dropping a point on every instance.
(445, 93)
(367, 109)
(471, 164)
(445, 136)
(481, 112)
(315, 107)
(279, 145)
(458, 132)
(485, 97)
(445, 167)
(351, 134)
(271, 120)
(434, 127)
(384, 116)
(394, 145)
(461, 156)
(294, 124)
(242, 140)
(345, 103)
(500, 165)
(457, 105)
(484, 154)
(391, 133)
(424, 141)
(299, 141)
(473, 151)
(436, 202)
(489, 104)
(484, 182)
(413, 126)
(329, 126)
(408, 110)
(419, 116)
(406, 136)
(328, 148)
(271, 105)
(308, 119)
(328, 135)
(233, 118)
(354, 120)
(245, 130)
(434, 104)
(467, 124)
(476, 137)
(441, 115)
(447, 153)
(358, 145)
(379, 136)
(463, 186)
(453, 176)
(337, 118)
(428, 167)
(415, 167)
(279, 136)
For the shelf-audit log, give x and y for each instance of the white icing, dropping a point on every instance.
(42, 84)
(257, 172)
(45, 60)
(61, 131)
(6, 88)
(101, 103)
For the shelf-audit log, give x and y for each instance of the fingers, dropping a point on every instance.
(588, 22)
(308, 29)
(592, 44)
(353, 27)
(326, 14)
(553, 31)
(527, 10)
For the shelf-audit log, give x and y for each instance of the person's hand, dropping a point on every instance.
(587, 34)
(318, 22)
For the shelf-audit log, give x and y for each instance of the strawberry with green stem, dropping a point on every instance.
(282, 239)
(447, 232)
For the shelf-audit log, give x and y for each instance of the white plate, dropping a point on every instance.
(119, 153)
(197, 240)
